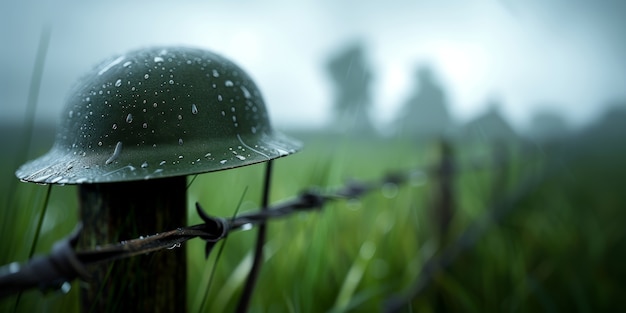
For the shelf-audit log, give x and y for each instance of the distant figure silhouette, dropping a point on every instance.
(425, 114)
(351, 76)
(491, 126)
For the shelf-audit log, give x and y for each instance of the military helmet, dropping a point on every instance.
(159, 112)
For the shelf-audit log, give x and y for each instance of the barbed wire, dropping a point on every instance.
(64, 264)
(468, 238)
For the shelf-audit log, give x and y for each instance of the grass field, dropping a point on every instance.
(561, 249)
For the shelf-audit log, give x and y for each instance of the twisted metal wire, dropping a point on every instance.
(65, 264)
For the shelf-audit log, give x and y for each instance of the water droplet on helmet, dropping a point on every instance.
(229, 83)
(180, 141)
(240, 157)
(110, 65)
(116, 153)
(194, 109)
(56, 179)
(129, 118)
(146, 76)
(223, 161)
(114, 126)
(171, 82)
(144, 164)
(158, 59)
(246, 93)
(118, 83)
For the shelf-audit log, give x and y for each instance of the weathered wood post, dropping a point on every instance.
(444, 202)
(113, 212)
(131, 131)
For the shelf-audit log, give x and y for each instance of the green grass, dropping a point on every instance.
(562, 249)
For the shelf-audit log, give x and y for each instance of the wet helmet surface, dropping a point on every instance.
(159, 112)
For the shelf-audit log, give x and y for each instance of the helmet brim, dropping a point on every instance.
(63, 166)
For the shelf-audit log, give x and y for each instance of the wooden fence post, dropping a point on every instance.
(444, 202)
(113, 212)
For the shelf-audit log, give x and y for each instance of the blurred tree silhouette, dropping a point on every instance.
(548, 126)
(351, 77)
(425, 114)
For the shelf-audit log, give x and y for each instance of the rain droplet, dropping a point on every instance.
(116, 153)
(194, 109)
(14, 267)
(216, 73)
(245, 227)
(145, 125)
(114, 126)
(246, 93)
(71, 113)
(144, 164)
(65, 287)
(171, 82)
(155, 105)
(162, 162)
(219, 97)
(110, 65)
(127, 63)
(146, 76)
(129, 118)
(223, 161)
(158, 59)
(180, 117)
(240, 157)
(180, 141)
(176, 245)
(118, 83)
(228, 83)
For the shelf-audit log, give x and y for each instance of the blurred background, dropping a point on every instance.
(532, 58)
(526, 87)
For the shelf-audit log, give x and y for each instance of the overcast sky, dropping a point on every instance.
(568, 56)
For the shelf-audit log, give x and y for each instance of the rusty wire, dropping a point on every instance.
(65, 264)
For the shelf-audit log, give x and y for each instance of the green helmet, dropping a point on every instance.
(159, 112)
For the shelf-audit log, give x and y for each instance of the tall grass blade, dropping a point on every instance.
(219, 254)
(31, 107)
